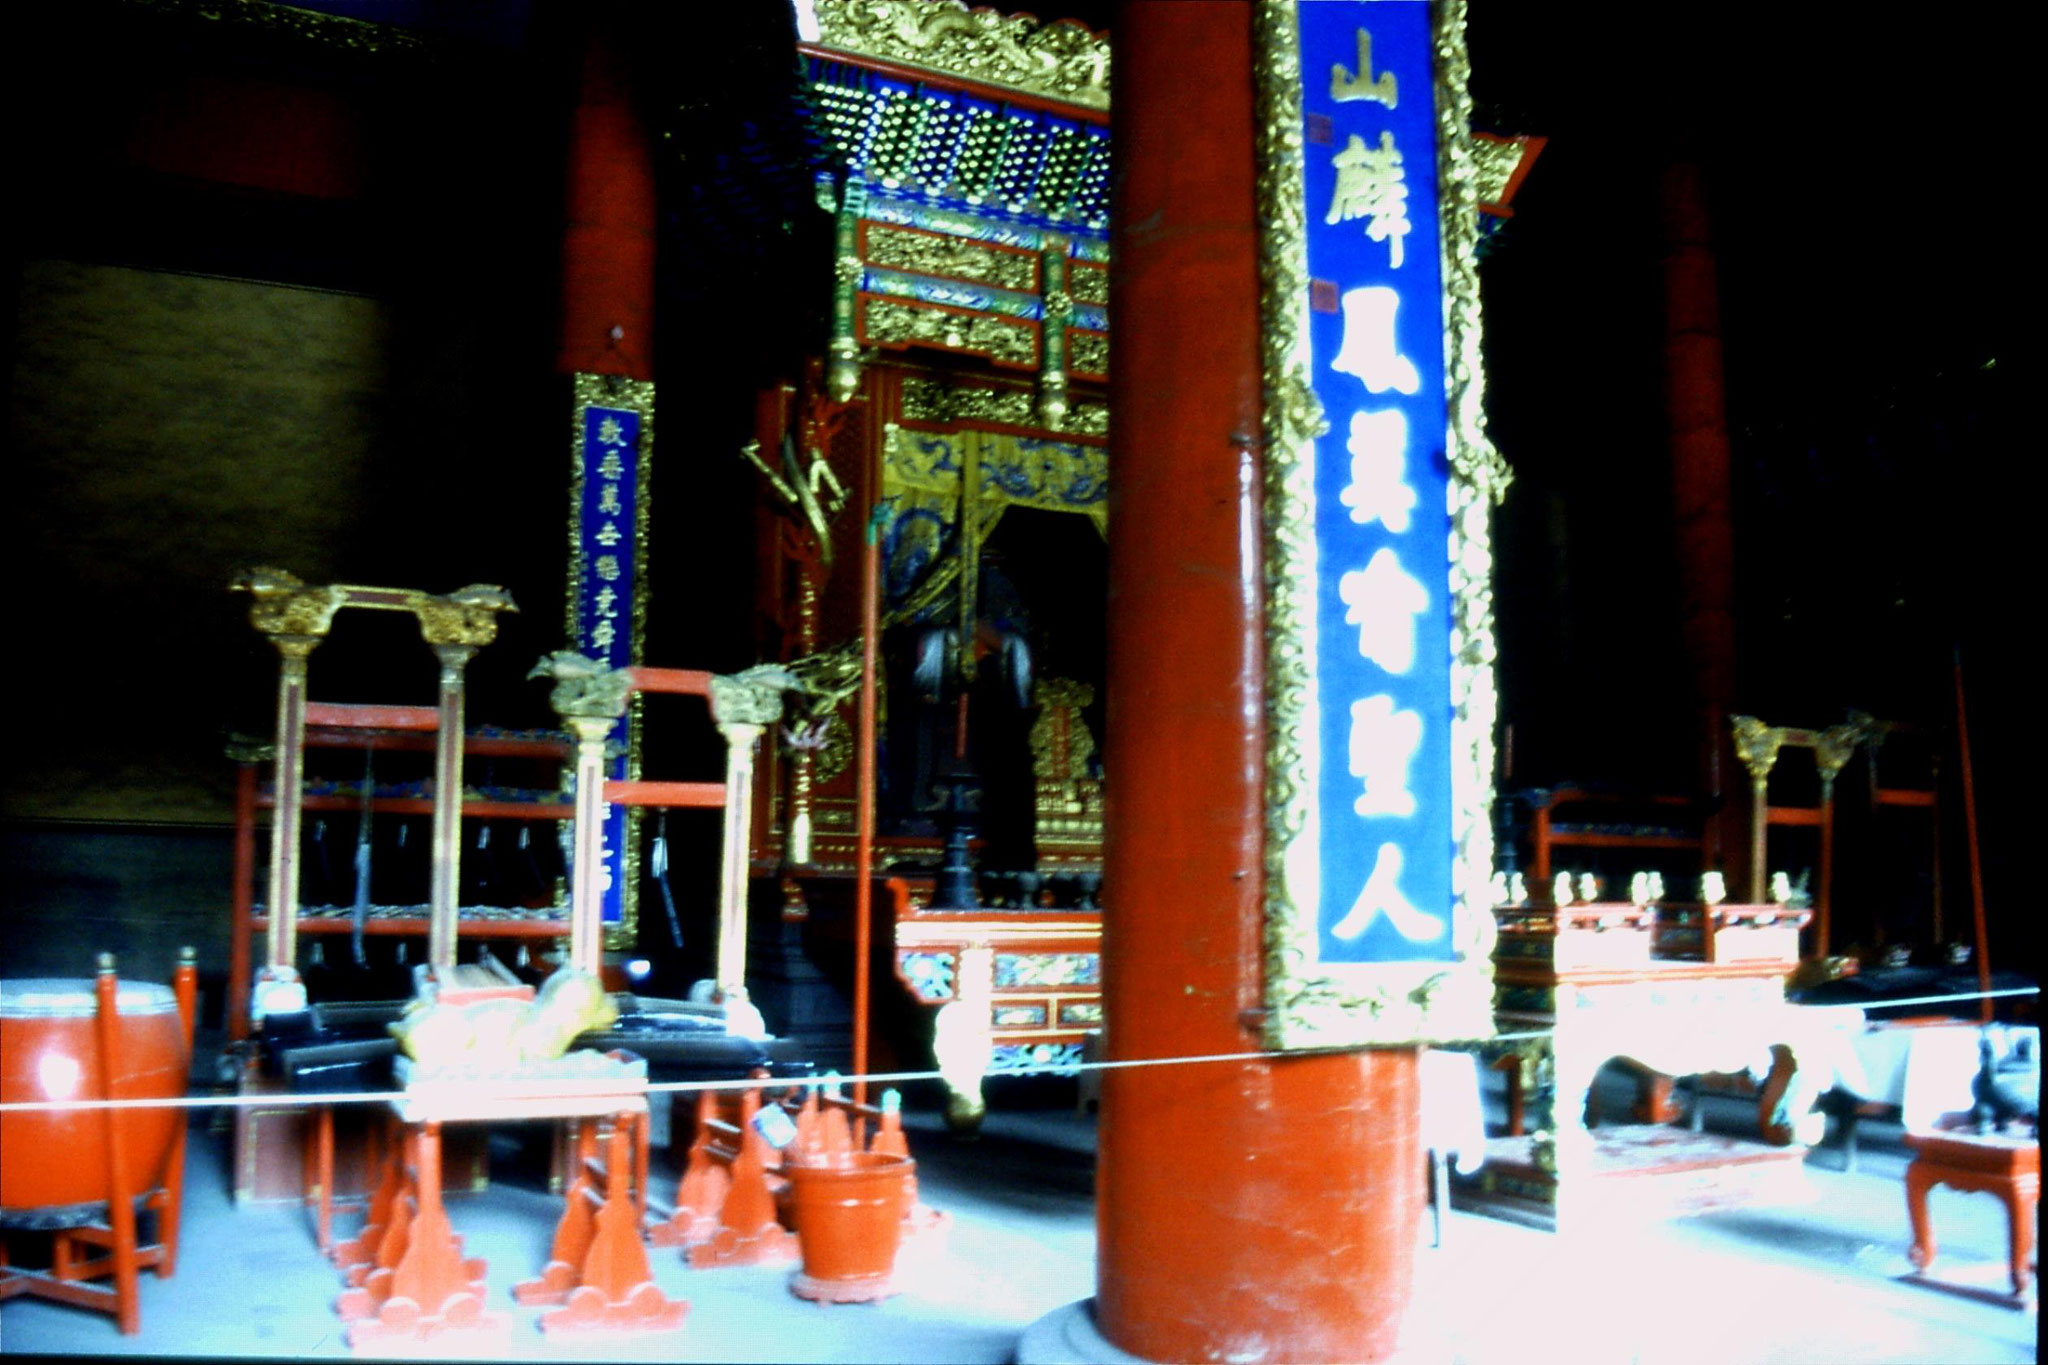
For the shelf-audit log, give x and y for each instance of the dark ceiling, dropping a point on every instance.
(1855, 174)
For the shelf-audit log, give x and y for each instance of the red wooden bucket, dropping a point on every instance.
(849, 1219)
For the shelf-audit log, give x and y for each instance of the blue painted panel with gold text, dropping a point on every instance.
(1383, 602)
(606, 516)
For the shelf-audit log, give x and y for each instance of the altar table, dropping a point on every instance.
(1669, 1019)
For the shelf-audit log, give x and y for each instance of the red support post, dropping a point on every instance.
(1222, 1184)
(120, 1199)
(1702, 519)
(242, 899)
(608, 246)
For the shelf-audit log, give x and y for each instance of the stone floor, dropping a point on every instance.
(1819, 1282)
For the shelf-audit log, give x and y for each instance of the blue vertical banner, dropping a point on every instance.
(1378, 484)
(613, 440)
(1382, 528)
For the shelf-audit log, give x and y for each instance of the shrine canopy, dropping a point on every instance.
(964, 155)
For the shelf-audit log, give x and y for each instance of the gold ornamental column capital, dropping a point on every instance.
(585, 690)
(752, 697)
(1832, 750)
(1756, 744)
(466, 617)
(295, 616)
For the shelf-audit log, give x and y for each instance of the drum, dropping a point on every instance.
(49, 1051)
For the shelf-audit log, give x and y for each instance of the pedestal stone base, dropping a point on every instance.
(1068, 1336)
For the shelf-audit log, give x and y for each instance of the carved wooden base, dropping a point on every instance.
(644, 1309)
(729, 1186)
(598, 1266)
(421, 1285)
(699, 1196)
(768, 1245)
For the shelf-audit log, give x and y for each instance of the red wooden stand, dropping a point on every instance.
(747, 1231)
(707, 1172)
(357, 1256)
(2009, 1167)
(598, 1267)
(420, 1285)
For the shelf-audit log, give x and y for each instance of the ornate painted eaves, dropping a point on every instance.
(1061, 60)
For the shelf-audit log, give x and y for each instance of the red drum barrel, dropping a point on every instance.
(48, 1051)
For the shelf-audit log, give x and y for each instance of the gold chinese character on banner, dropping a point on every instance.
(1362, 85)
(1371, 185)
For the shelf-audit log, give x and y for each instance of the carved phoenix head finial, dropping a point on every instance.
(266, 581)
(283, 607)
(584, 686)
(487, 595)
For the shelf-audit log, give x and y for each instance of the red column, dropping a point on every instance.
(1264, 1208)
(608, 242)
(1700, 499)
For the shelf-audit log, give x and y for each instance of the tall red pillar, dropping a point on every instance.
(607, 323)
(1700, 493)
(1263, 1208)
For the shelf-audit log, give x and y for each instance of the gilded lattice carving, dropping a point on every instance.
(1493, 165)
(301, 24)
(1060, 744)
(951, 256)
(1088, 352)
(941, 404)
(888, 323)
(1060, 60)
(1088, 419)
(928, 400)
(1088, 284)
(1069, 800)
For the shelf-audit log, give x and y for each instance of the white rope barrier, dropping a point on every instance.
(542, 1088)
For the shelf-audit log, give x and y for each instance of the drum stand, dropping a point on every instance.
(88, 1249)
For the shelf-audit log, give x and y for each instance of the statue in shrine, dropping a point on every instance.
(973, 683)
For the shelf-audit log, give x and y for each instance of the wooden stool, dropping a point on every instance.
(2009, 1167)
